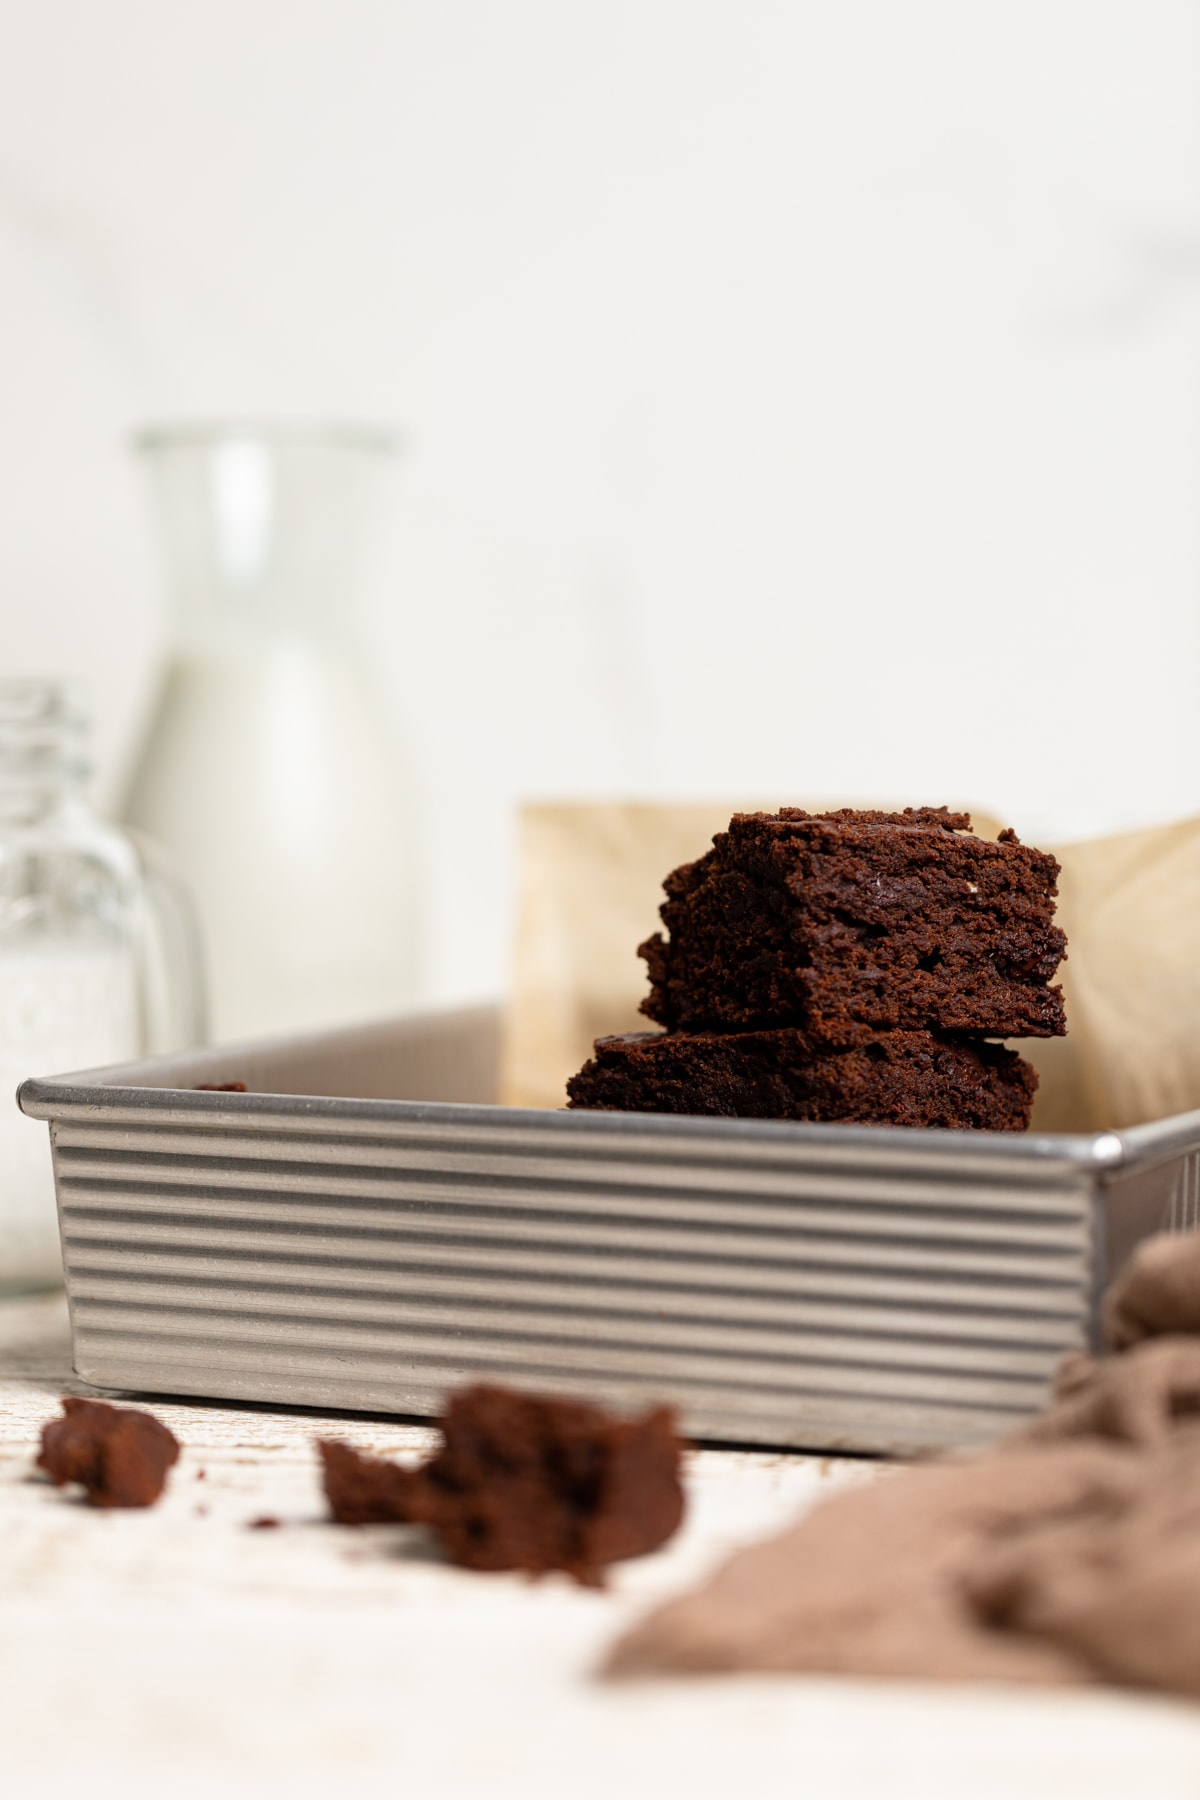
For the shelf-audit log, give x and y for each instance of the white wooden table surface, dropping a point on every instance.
(178, 1652)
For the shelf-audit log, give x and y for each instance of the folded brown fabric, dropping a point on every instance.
(1071, 1553)
(1132, 1399)
(1119, 1585)
(872, 1582)
(1158, 1291)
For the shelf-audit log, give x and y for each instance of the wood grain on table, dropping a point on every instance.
(179, 1652)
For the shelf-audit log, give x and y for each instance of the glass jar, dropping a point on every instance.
(269, 770)
(99, 958)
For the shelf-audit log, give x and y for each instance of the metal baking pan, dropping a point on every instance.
(365, 1229)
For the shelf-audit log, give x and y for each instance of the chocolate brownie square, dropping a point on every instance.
(912, 1078)
(842, 922)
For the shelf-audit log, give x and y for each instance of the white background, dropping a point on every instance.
(802, 399)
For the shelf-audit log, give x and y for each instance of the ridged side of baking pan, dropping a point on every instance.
(780, 1304)
(796, 1285)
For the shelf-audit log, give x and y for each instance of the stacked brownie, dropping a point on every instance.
(847, 966)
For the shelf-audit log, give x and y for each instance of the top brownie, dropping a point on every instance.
(837, 921)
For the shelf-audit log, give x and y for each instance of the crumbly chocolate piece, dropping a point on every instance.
(220, 1087)
(525, 1482)
(911, 1078)
(119, 1454)
(367, 1490)
(841, 921)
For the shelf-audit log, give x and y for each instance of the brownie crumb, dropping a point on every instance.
(526, 1482)
(265, 1523)
(523, 1482)
(220, 1087)
(118, 1454)
(365, 1490)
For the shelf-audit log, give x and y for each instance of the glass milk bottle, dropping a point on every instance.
(98, 957)
(269, 771)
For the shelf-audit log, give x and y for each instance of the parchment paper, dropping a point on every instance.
(591, 882)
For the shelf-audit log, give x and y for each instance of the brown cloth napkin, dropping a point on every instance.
(591, 881)
(1069, 1554)
(1158, 1291)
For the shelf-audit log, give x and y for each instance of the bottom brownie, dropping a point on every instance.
(895, 1078)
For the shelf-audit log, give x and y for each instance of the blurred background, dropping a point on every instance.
(798, 401)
